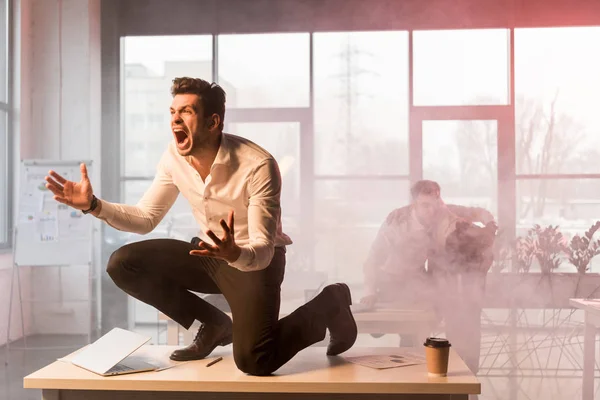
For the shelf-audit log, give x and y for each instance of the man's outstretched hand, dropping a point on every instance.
(223, 248)
(75, 194)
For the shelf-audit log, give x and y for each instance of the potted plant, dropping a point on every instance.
(550, 247)
(582, 249)
(525, 288)
(524, 250)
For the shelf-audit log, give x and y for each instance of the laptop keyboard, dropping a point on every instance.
(119, 368)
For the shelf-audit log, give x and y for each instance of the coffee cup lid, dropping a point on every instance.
(436, 342)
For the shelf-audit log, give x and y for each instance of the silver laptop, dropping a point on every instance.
(110, 355)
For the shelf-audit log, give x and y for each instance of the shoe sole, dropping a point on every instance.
(225, 342)
(348, 296)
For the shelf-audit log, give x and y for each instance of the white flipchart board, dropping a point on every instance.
(48, 232)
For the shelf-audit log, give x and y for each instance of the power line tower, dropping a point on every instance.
(351, 58)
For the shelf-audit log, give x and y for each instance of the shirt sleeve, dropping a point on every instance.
(143, 217)
(264, 213)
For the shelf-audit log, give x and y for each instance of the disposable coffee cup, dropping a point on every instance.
(437, 351)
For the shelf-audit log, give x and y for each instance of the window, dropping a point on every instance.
(572, 204)
(348, 215)
(361, 103)
(150, 63)
(557, 87)
(462, 156)
(282, 140)
(266, 70)
(360, 144)
(461, 67)
(5, 167)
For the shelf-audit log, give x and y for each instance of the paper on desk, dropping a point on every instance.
(387, 361)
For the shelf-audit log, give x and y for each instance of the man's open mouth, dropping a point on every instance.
(180, 136)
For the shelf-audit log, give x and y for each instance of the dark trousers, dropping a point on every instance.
(161, 273)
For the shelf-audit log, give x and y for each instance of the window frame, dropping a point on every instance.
(6, 108)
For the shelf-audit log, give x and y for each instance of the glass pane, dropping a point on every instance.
(167, 57)
(348, 215)
(151, 63)
(461, 67)
(557, 95)
(572, 204)
(265, 70)
(361, 103)
(462, 157)
(282, 140)
(6, 169)
(179, 223)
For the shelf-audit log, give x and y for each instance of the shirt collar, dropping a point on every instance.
(224, 153)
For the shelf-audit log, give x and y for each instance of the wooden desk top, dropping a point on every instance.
(311, 371)
(592, 305)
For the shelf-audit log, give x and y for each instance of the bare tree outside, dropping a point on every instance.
(546, 143)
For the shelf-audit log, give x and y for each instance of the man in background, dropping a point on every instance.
(430, 254)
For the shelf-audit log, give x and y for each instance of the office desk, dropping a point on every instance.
(311, 375)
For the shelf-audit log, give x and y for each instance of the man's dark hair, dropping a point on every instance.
(425, 187)
(211, 95)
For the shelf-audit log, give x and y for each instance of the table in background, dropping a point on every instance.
(592, 323)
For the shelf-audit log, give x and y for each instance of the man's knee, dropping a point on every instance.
(118, 266)
(253, 363)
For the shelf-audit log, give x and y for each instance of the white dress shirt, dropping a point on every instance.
(403, 245)
(244, 177)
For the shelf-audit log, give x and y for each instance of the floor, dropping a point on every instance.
(23, 362)
(48, 348)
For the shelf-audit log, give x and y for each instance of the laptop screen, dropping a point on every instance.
(109, 350)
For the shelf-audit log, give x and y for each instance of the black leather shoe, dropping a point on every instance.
(341, 324)
(207, 338)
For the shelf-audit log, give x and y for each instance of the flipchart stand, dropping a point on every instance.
(48, 234)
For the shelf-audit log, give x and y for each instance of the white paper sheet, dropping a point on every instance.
(387, 360)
